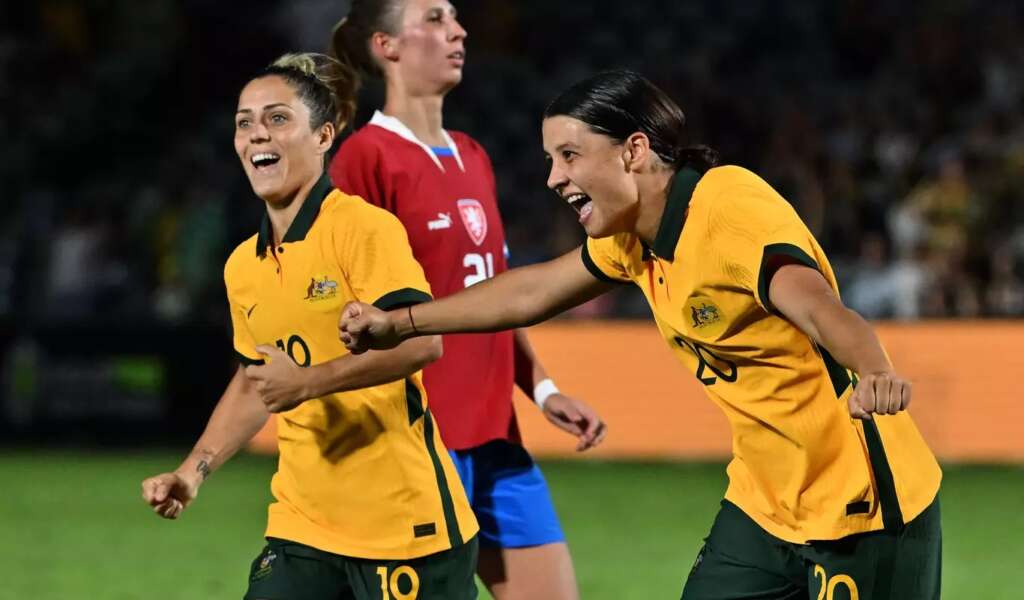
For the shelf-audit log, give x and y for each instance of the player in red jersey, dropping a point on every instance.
(441, 186)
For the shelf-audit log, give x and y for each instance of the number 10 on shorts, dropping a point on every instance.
(394, 583)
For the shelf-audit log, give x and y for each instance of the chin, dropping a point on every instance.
(596, 230)
(449, 82)
(268, 192)
(599, 227)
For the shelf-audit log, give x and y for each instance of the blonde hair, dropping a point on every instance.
(326, 86)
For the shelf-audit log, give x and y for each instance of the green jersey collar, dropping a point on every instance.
(303, 220)
(672, 219)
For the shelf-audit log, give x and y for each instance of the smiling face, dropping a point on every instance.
(279, 149)
(428, 52)
(589, 170)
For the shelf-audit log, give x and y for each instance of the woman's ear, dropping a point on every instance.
(326, 136)
(383, 47)
(635, 151)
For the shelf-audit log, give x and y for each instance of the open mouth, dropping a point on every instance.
(262, 160)
(458, 55)
(581, 203)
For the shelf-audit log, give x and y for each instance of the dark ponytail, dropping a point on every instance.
(350, 40)
(620, 103)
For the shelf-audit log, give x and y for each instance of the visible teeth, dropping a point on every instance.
(264, 156)
(575, 198)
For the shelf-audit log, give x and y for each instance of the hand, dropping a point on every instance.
(169, 493)
(279, 381)
(575, 417)
(364, 327)
(883, 393)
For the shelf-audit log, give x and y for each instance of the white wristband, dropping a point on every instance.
(543, 390)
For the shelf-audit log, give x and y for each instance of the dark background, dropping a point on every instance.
(895, 129)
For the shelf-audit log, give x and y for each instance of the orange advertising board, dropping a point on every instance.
(968, 390)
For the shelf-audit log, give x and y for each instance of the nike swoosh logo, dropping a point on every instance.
(248, 313)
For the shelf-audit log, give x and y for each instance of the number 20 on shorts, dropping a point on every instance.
(393, 581)
(829, 584)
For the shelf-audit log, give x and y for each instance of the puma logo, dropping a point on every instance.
(443, 221)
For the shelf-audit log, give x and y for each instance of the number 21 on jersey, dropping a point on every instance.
(482, 266)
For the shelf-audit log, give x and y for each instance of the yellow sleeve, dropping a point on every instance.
(599, 257)
(245, 345)
(748, 226)
(373, 251)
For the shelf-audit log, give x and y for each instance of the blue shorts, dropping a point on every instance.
(509, 496)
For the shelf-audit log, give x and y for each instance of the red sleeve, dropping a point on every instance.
(357, 168)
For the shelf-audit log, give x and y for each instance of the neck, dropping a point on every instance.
(282, 214)
(653, 188)
(420, 113)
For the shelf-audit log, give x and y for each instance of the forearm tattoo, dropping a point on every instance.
(204, 469)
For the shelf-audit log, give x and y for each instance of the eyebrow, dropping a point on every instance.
(451, 10)
(267, 107)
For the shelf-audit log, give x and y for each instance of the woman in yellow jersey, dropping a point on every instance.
(832, 491)
(368, 503)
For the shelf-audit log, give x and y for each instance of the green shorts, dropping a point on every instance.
(290, 571)
(741, 560)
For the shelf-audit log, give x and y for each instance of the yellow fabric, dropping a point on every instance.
(799, 459)
(357, 470)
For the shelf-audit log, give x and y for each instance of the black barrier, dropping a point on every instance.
(111, 385)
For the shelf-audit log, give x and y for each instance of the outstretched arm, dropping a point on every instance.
(804, 297)
(239, 414)
(516, 298)
(572, 416)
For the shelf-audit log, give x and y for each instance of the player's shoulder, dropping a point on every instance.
(240, 260)
(729, 177)
(619, 245)
(465, 141)
(468, 145)
(367, 138)
(348, 212)
(734, 189)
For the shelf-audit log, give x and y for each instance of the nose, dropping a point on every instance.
(456, 32)
(556, 178)
(258, 132)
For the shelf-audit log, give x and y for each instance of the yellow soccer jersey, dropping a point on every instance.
(361, 473)
(802, 468)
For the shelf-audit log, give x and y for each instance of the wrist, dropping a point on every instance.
(310, 380)
(875, 369)
(403, 322)
(192, 477)
(544, 389)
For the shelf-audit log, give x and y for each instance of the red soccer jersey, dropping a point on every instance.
(446, 198)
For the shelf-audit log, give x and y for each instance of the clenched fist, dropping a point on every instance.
(169, 494)
(884, 393)
(364, 327)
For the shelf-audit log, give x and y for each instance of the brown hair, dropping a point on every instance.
(322, 83)
(350, 40)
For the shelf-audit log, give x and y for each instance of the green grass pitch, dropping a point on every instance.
(74, 527)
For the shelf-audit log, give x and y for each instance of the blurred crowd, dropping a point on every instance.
(895, 129)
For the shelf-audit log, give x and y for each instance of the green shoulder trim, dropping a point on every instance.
(764, 278)
(595, 270)
(402, 297)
